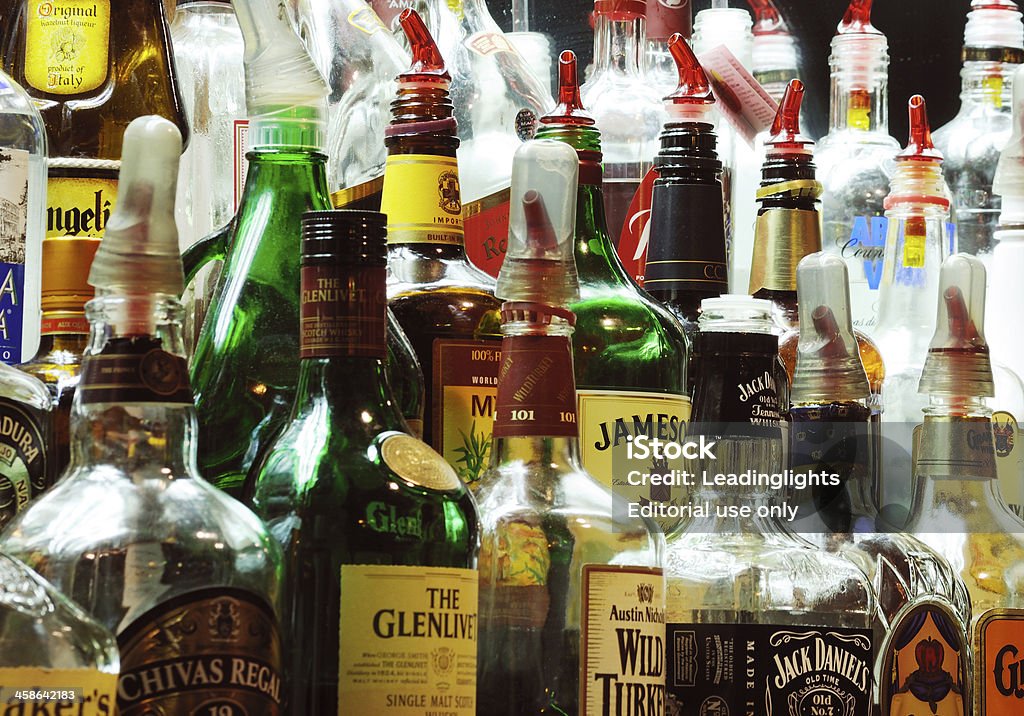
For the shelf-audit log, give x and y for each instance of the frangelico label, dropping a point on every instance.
(135, 370)
(211, 651)
(24, 462)
(343, 311)
(67, 45)
(79, 206)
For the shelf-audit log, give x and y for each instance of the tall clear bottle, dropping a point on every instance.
(856, 159)
(560, 557)
(959, 509)
(133, 534)
(775, 59)
(381, 518)
(665, 18)
(748, 599)
(629, 352)
(971, 141)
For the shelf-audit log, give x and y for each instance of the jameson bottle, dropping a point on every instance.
(185, 577)
(922, 658)
(444, 304)
(630, 353)
(245, 364)
(749, 601)
(561, 560)
(959, 509)
(381, 518)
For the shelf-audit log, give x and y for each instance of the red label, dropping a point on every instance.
(343, 311)
(536, 388)
(636, 231)
(486, 226)
(65, 325)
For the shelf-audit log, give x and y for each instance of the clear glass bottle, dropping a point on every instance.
(972, 140)
(775, 59)
(628, 110)
(855, 159)
(959, 510)
(559, 555)
(132, 533)
(629, 352)
(348, 492)
(664, 19)
(747, 597)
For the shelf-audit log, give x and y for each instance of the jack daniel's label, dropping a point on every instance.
(765, 669)
(135, 370)
(24, 468)
(67, 45)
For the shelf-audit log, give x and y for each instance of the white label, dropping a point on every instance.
(742, 99)
(241, 146)
(13, 242)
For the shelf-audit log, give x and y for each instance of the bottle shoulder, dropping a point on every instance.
(21, 387)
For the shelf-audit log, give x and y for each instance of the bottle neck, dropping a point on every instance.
(860, 84)
(619, 45)
(987, 84)
(597, 261)
(281, 172)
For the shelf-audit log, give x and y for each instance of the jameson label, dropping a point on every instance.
(924, 668)
(999, 662)
(487, 231)
(622, 654)
(24, 462)
(211, 651)
(673, 265)
(409, 636)
(13, 241)
(465, 384)
(79, 206)
(343, 311)
(766, 669)
(422, 200)
(66, 45)
(1009, 460)
(536, 388)
(135, 370)
(515, 567)
(30, 691)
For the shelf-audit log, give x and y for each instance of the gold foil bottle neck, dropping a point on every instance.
(782, 237)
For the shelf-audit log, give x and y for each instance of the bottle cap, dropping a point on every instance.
(919, 145)
(345, 236)
(857, 20)
(569, 109)
(427, 64)
(994, 23)
(139, 252)
(621, 10)
(735, 313)
(692, 99)
(540, 265)
(958, 362)
(828, 365)
(1009, 178)
(66, 263)
(785, 137)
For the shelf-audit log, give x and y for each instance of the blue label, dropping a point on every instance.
(12, 309)
(867, 245)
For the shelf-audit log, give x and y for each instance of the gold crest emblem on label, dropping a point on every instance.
(418, 463)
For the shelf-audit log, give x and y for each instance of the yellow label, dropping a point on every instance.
(422, 200)
(416, 462)
(622, 649)
(408, 638)
(67, 43)
(50, 692)
(859, 118)
(913, 251)
(1009, 460)
(77, 206)
(993, 87)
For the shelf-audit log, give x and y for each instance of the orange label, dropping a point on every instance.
(999, 670)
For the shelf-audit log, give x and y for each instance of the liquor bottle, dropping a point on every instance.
(245, 364)
(748, 599)
(629, 351)
(445, 305)
(628, 110)
(775, 59)
(559, 554)
(389, 515)
(665, 18)
(49, 644)
(922, 607)
(534, 47)
(22, 211)
(959, 509)
(185, 577)
(26, 430)
(971, 141)
(855, 158)
(65, 334)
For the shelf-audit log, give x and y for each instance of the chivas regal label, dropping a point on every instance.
(924, 668)
(409, 639)
(487, 231)
(622, 634)
(422, 200)
(13, 243)
(79, 206)
(465, 387)
(536, 388)
(24, 468)
(212, 651)
(343, 311)
(66, 45)
(135, 370)
(29, 691)
(765, 669)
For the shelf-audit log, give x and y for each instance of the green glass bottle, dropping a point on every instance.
(630, 352)
(375, 525)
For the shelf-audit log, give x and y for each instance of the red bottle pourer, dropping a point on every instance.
(428, 66)
(693, 98)
(918, 175)
(786, 139)
(919, 146)
(569, 109)
(857, 20)
(767, 18)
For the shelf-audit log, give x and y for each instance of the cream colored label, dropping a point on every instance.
(416, 462)
(422, 199)
(409, 640)
(622, 649)
(51, 692)
(67, 45)
(1009, 460)
(77, 206)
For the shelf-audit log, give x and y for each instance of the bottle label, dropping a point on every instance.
(79, 206)
(956, 449)
(536, 388)
(417, 463)
(410, 650)
(517, 563)
(343, 311)
(51, 692)
(64, 324)
(687, 210)
(211, 651)
(422, 200)
(24, 461)
(665, 17)
(13, 244)
(366, 20)
(781, 238)
(636, 230)
(489, 43)
(67, 44)
(768, 669)
(924, 670)
(365, 196)
(487, 231)
(1009, 460)
(864, 249)
(465, 386)
(999, 670)
(240, 144)
(135, 370)
(622, 650)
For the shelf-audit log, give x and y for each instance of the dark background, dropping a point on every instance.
(925, 39)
